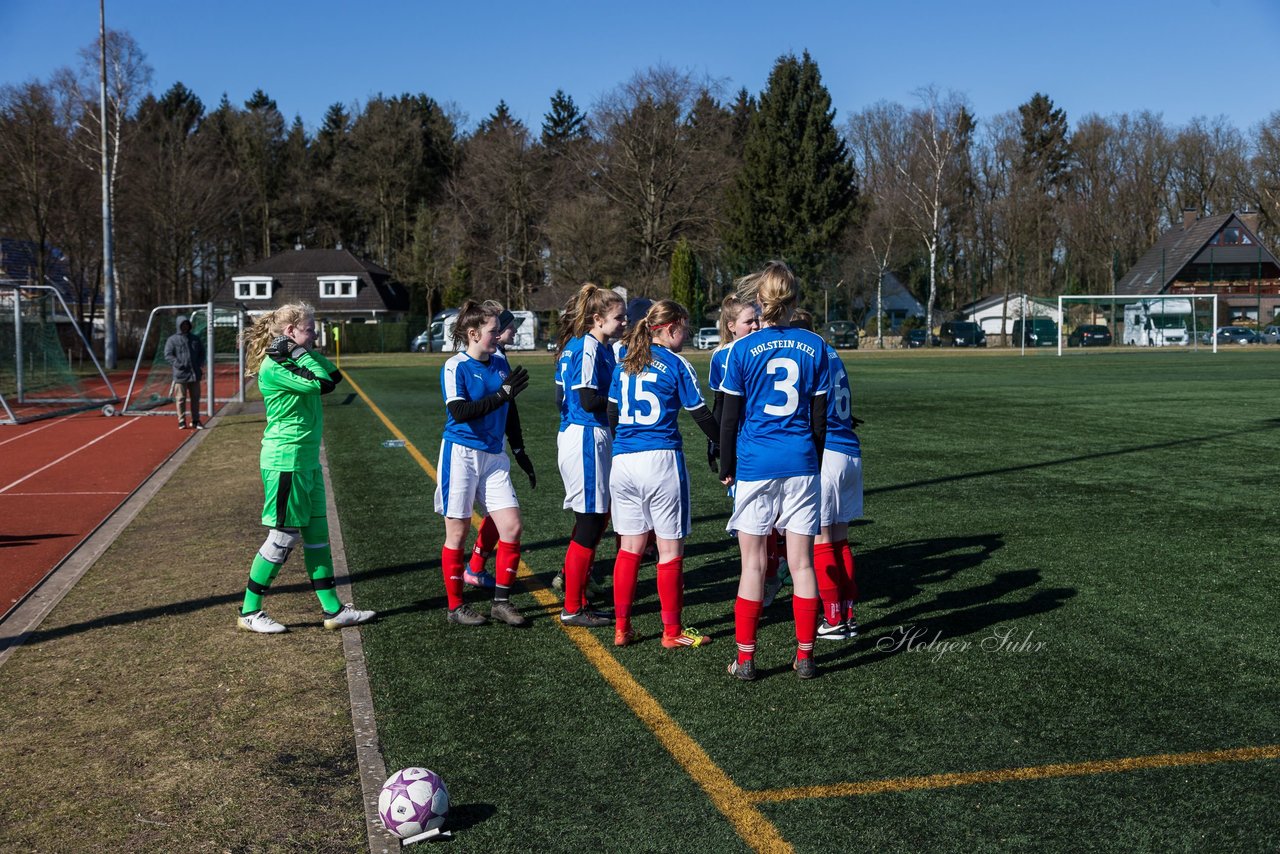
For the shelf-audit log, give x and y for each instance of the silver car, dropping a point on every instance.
(708, 338)
(1271, 335)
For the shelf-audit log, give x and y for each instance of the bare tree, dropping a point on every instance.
(930, 174)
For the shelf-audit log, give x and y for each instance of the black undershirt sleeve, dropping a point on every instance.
(591, 400)
(515, 436)
(613, 418)
(729, 435)
(706, 422)
(468, 410)
(818, 423)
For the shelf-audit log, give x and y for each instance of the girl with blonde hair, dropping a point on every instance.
(649, 484)
(292, 375)
(776, 380)
(584, 367)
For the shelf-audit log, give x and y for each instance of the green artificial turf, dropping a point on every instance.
(1087, 541)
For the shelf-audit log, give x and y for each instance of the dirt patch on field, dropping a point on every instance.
(137, 718)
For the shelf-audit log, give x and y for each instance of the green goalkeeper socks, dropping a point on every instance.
(319, 561)
(261, 574)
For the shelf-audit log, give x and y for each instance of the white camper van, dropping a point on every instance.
(1158, 323)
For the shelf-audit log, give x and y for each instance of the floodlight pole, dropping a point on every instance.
(108, 267)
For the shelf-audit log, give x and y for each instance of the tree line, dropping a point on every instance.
(665, 184)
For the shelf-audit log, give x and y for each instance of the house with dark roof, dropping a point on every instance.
(339, 285)
(1211, 255)
(899, 304)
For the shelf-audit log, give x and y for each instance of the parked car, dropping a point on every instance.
(1038, 332)
(1089, 335)
(962, 333)
(842, 334)
(915, 338)
(430, 340)
(1205, 337)
(1237, 335)
(708, 338)
(1271, 335)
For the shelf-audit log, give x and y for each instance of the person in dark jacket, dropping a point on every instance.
(184, 352)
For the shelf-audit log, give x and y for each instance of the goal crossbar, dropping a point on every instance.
(1129, 299)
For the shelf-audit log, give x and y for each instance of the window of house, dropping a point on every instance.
(337, 287)
(253, 288)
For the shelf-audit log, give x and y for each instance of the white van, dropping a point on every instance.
(441, 333)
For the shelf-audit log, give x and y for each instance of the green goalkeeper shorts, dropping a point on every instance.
(292, 497)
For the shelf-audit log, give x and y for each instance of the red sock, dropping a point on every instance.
(506, 565)
(746, 614)
(577, 563)
(625, 569)
(829, 578)
(671, 595)
(451, 568)
(485, 540)
(771, 556)
(849, 586)
(806, 612)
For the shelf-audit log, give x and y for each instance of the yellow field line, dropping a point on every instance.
(1008, 775)
(735, 803)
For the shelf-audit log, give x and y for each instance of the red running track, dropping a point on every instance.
(60, 478)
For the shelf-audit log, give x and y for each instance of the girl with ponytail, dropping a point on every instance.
(584, 367)
(649, 484)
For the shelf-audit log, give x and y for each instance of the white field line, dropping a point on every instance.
(29, 432)
(68, 454)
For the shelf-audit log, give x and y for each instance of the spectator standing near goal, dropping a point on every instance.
(185, 354)
(584, 368)
(777, 380)
(292, 377)
(479, 388)
(649, 483)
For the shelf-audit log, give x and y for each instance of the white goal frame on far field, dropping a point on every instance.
(1128, 299)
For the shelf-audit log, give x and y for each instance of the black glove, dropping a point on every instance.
(283, 347)
(856, 421)
(516, 382)
(522, 460)
(713, 455)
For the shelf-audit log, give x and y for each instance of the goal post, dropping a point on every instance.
(150, 390)
(41, 373)
(1151, 320)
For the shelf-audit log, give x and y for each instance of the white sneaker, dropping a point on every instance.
(259, 622)
(826, 631)
(348, 616)
(771, 588)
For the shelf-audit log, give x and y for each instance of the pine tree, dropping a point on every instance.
(796, 192)
(686, 281)
(564, 123)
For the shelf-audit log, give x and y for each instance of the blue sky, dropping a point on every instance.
(1089, 56)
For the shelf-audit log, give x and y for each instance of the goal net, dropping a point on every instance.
(47, 366)
(1158, 320)
(150, 390)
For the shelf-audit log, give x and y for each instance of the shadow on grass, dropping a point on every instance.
(1267, 424)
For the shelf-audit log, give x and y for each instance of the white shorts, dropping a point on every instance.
(650, 492)
(583, 454)
(469, 477)
(841, 488)
(785, 503)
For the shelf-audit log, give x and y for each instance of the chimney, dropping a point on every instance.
(1250, 220)
(1189, 216)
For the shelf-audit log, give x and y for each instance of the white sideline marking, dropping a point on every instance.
(68, 454)
(29, 432)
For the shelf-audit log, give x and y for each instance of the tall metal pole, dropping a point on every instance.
(108, 267)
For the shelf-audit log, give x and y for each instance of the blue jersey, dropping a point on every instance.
(840, 435)
(584, 363)
(776, 371)
(715, 375)
(465, 378)
(650, 402)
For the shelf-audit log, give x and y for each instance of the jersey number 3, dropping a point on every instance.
(787, 385)
(628, 411)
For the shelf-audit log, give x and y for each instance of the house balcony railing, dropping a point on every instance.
(1250, 287)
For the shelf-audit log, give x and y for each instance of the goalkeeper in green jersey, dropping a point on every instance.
(292, 376)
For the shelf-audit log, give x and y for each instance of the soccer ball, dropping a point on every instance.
(413, 801)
